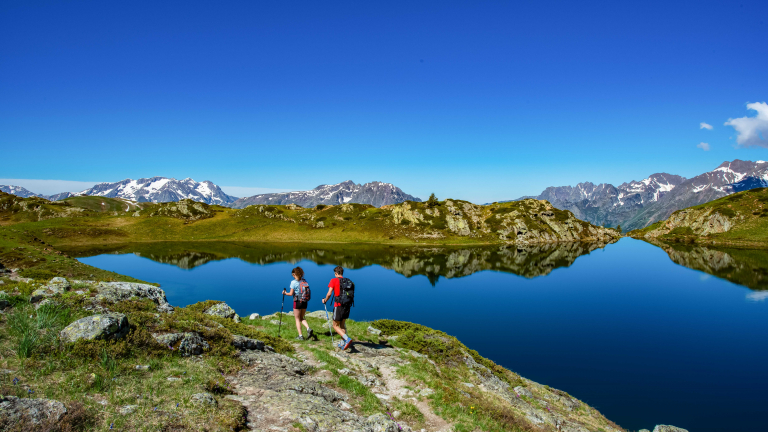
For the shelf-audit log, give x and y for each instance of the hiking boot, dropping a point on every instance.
(310, 333)
(340, 345)
(347, 343)
(300, 337)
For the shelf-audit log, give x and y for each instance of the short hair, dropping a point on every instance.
(338, 270)
(298, 271)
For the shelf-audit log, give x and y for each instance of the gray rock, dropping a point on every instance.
(643, 430)
(522, 391)
(237, 319)
(28, 411)
(666, 428)
(128, 409)
(205, 399)
(221, 310)
(113, 292)
(426, 392)
(381, 423)
(142, 367)
(375, 331)
(187, 343)
(244, 343)
(172, 379)
(345, 371)
(60, 283)
(107, 326)
(46, 302)
(470, 385)
(253, 316)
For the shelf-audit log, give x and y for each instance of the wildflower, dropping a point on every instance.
(177, 405)
(111, 425)
(30, 391)
(15, 381)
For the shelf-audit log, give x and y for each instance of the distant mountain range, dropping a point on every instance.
(374, 193)
(638, 204)
(162, 189)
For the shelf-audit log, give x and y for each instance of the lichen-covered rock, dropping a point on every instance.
(244, 343)
(253, 316)
(374, 331)
(60, 283)
(128, 409)
(205, 399)
(189, 343)
(15, 412)
(106, 326)
(221, 310)
(666, 428)
(113, 292)
(381, 423)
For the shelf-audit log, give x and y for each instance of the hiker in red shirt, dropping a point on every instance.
(344, 290)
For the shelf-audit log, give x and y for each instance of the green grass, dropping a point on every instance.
(369, 403)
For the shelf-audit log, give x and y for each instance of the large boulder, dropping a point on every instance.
(113, 292)
(221, 310)
(666, 428)
(106, 326)
(243, 343)
(381, 423)
(189, 343)
(204, 399)
(25, 413)
(57, 285)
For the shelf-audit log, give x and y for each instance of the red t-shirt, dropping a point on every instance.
(334, 283)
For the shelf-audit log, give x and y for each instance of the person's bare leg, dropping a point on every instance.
(339, 329)
(304, 319)
(297, 317)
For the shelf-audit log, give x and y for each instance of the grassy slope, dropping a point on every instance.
(81, 221)
(748, 209)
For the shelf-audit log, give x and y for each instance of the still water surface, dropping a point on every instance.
(640, 337)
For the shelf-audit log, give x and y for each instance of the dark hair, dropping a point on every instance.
(298, 271)
(338, 270)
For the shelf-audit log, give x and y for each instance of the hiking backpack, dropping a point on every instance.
(303, 294)
(346, 292)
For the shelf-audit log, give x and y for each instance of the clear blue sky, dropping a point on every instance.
(476, 100)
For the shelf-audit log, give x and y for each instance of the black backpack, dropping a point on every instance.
(346, 292)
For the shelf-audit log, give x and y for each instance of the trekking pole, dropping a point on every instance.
(330, 328)
(282, 303)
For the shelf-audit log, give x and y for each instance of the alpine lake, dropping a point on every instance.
(647, 334)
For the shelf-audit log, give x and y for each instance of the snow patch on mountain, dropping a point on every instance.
(161, 189)
(373, 193)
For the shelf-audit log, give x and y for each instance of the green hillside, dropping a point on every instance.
(740, 218)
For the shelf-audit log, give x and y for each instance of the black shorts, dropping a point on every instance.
(340, 313)
(299, 305)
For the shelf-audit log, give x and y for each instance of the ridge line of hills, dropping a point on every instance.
(163, 189)
(631, 205)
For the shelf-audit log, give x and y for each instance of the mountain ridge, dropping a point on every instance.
(637, 204)
(375, 193)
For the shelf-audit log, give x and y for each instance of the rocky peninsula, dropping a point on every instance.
(90, 355)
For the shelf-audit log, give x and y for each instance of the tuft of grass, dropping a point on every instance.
(369, 404)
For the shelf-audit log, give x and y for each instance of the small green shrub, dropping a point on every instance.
(319, 206)
(35, 273)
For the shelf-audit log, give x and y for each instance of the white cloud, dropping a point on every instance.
(752, 131)
(703, 125)
(49, 187)
(757, 296)
(704, 146)
(240, 191)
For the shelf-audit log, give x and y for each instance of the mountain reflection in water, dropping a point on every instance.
(433, 262)
(747, 267)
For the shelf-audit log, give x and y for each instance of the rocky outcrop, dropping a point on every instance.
(112, 292)
(222, 310)
(188, 343)
(185, 209)
(107, 326)
(57, 285)
(22, 413)
(665, 428)
(700, 222)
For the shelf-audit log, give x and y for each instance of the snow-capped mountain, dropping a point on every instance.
(17, 190)
(161, 189)
(640, 203)
(374, 193)
(606, 204)
(728, 178)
